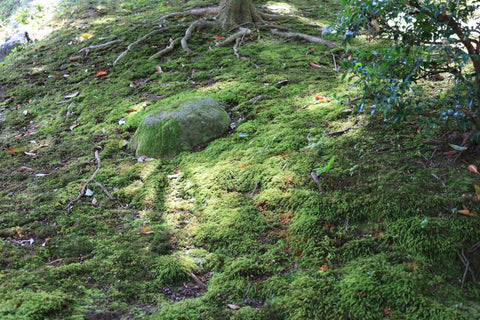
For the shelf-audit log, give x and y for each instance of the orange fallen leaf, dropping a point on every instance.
(145, 231)
(14, 150)
(323, 267)
(121, 24)
(131, 110)
(467, 213)
(22, 168)
(321, 98)
(218, 37)
(133, 85)
(313, 65)
(102, 73)
(473, 168)
(477, 191)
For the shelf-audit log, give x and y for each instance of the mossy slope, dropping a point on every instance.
(240, 222)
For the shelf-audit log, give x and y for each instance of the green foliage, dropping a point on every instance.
(426, 38)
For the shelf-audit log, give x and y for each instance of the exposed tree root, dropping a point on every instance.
(234, 38)
(100, 45)
(140, 40)
(304, 37)
(199, 24)
(200, 12)
(240, 34)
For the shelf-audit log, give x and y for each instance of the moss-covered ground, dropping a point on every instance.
(238, 229)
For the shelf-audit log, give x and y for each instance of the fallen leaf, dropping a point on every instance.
(131, 110)
(145, 231)
(75, 58)
(321, 98)
(72, 95)
(41, 175)
(350, 58)
(477, 191)
(46, 242)
(32, 152)
(218, 37)
(122, 143)
(25, 168)
(313, 65)
(86, 36)
(14, 150)
(88, 193)
(75, 124)
(133, 85)
(457, 147)
(233, 306)
(473, 168)
(102, 73)
(324, 267)
(311, 50)
(121, 24)
(159, 69)
(144, 159)
(466, 212)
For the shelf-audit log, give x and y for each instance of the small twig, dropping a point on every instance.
(55, 261)
(315, 178)
(338, 132)
(198, 281)
(475, 247)
(100, 45)
(109, 195)
(334, 62)
(284, 166)
(346, 225)
(92, 178)
(254, 189)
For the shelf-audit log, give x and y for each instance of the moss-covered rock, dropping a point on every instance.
(189, 122)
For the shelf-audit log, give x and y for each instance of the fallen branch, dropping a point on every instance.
(466, 263)
(198, 281)
(100, 45)
(92, 178)
(303, 36)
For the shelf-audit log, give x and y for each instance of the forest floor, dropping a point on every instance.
(239, 228)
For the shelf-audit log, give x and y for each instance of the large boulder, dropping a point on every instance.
(179, 127)
(17, 38)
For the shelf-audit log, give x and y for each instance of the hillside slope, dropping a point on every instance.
(239, 228)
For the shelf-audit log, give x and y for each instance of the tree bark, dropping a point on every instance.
(235, 13)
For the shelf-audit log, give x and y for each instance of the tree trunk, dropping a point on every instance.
(235, 13)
